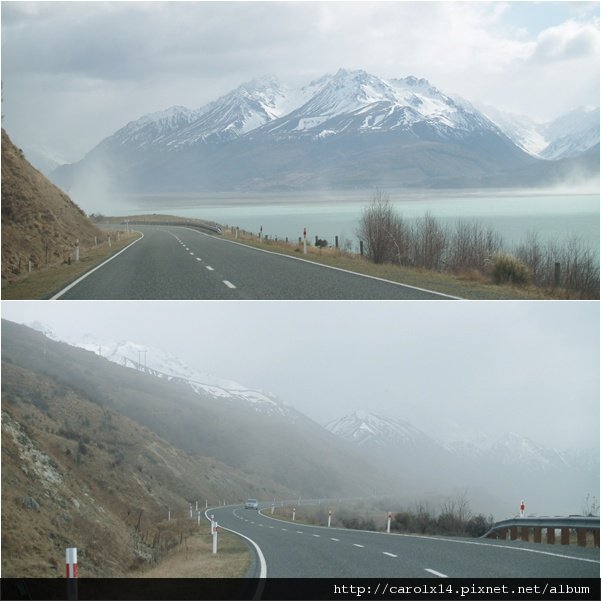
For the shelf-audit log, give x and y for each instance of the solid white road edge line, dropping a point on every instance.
(450, 540)
(363, 275)
(85, 275)
(439, 574)
(262, 564)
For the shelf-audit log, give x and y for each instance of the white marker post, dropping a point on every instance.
(110, 242)
(77, 251)
(169, 515)
(212, 524)
(206, 503)
(215, 529)
(304, 241)
(199, 518)
(190, 510)
(522, 509)
(329, 518)
(71, 562)
(273, 507)
(196, 505)
(293, 514)
(388, 524)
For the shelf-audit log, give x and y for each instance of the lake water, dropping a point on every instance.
(513, 215)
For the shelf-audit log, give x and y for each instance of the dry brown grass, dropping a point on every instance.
(194, 559)
(46, 281)
(40, 223)
(466, 285)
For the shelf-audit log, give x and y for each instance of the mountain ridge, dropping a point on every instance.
(350, 129)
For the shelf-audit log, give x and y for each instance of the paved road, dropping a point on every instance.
(299, 551)
(172, 262)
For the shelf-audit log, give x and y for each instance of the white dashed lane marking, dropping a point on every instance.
(228, 284)
(389, 554)
(436, 573)
(210, 268)
(356, 545)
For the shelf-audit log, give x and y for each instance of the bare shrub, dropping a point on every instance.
(471, 247)
(382, 230)
(429, 243)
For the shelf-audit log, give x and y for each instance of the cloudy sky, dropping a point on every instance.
(489, 367)
(75, 72)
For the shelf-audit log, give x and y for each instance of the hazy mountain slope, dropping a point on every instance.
(76, 473)
(568, 136)
(297, 454)
(495, 471)
(39, 222)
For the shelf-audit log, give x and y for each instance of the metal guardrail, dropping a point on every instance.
(201, 226)
(520, 527)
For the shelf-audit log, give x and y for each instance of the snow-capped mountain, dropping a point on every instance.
(157, 363)
(349, 129)
(378, 431)
(572, 134)
(355, 101)
(567, 136)
(368, 429)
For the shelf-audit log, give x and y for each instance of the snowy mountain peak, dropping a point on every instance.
(366, 428)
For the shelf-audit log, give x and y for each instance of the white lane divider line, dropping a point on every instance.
(228, 284)
(356, 545)
(198, 259)
(191, 254)
(299, 531)
(317, 535)
(209, 268)
(389, 554)
(440, 575)
(272, 526)
(285, 529)
(335, 539)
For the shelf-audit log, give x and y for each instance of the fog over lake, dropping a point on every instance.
(513, 215)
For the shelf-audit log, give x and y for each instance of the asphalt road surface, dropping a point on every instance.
(172, 262)
(293, 550)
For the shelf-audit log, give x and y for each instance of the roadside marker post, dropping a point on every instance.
(71, 564)
(304, 241)
(198, 518)
(215, 530)
(522, 509)
(388, 524)
(293, 514)
(212, 524)
(329, 518)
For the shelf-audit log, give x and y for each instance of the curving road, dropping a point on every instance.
(172, 262)
(292, 550)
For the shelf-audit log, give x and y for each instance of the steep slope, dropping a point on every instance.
(76, 473)
(296, 454)
(157, 363)
(39, 222)
(566, 137)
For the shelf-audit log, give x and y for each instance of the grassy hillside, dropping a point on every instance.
(39, 222)
(94, 454)
(75, 473)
